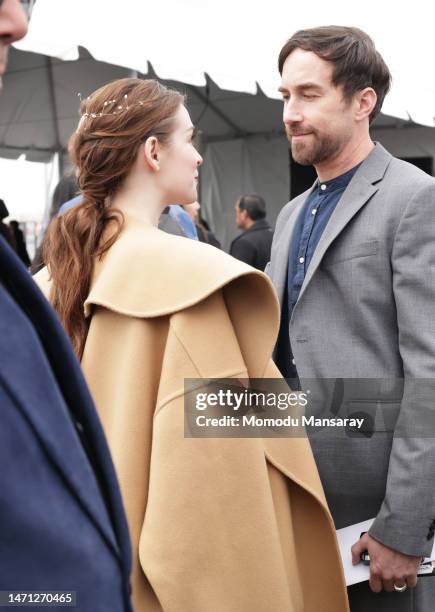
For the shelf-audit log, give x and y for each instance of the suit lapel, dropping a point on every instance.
(361, 188)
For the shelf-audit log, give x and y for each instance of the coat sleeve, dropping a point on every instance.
(407, 515)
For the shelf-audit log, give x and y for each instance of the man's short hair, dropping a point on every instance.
(254, 205)
(357, 63)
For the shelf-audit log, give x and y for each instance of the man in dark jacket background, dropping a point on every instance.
(253, 245)
(63, 533)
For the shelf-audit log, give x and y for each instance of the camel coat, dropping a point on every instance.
(217, 525)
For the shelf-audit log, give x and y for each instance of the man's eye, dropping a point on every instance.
(309, 96)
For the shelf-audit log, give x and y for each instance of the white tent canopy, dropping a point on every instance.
(237, 42)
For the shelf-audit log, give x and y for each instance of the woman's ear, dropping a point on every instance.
(152, 152)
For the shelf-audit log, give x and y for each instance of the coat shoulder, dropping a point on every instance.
(148, 273)
(406, 176)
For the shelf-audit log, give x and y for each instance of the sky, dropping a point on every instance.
(26, 187)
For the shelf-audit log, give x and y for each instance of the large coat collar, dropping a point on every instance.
(147, 273)
(129, 278)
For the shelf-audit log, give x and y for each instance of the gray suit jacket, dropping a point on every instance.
(367, 310)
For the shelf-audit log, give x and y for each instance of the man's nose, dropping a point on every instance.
(292, 113)
(13, 21)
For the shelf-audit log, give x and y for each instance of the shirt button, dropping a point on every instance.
(313, 212)
(323, 187)
(301, 259)
(293, 362)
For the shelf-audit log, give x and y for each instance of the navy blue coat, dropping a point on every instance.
(62, 524)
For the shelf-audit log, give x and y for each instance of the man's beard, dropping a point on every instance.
(320, 149)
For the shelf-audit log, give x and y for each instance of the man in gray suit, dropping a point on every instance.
(353, 262)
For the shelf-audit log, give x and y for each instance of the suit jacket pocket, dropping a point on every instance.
(348, 252)
(380, 416)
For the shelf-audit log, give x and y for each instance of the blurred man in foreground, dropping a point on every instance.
(62, 525)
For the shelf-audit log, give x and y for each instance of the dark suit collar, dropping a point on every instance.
(261, 224)
(71, 393)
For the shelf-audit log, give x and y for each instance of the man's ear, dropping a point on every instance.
(244, 215)
(365, 102)
(152, 152)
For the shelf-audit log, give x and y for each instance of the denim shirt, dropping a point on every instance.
(311, 222)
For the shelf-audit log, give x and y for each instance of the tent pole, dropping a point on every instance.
(60, 163)
(53, 104)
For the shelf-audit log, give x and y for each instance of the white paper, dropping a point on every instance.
(346, 539)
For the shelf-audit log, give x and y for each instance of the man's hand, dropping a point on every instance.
(387, 566)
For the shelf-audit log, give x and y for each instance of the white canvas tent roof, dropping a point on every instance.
(237, 42)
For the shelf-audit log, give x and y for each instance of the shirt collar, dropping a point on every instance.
(339, 182)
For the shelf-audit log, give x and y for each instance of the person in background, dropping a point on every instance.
(19, 242)
(184, 220)
(204, 233)
(254, 243)
(62, 524)
(64, 193)
(5, 230)
(169, 224)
